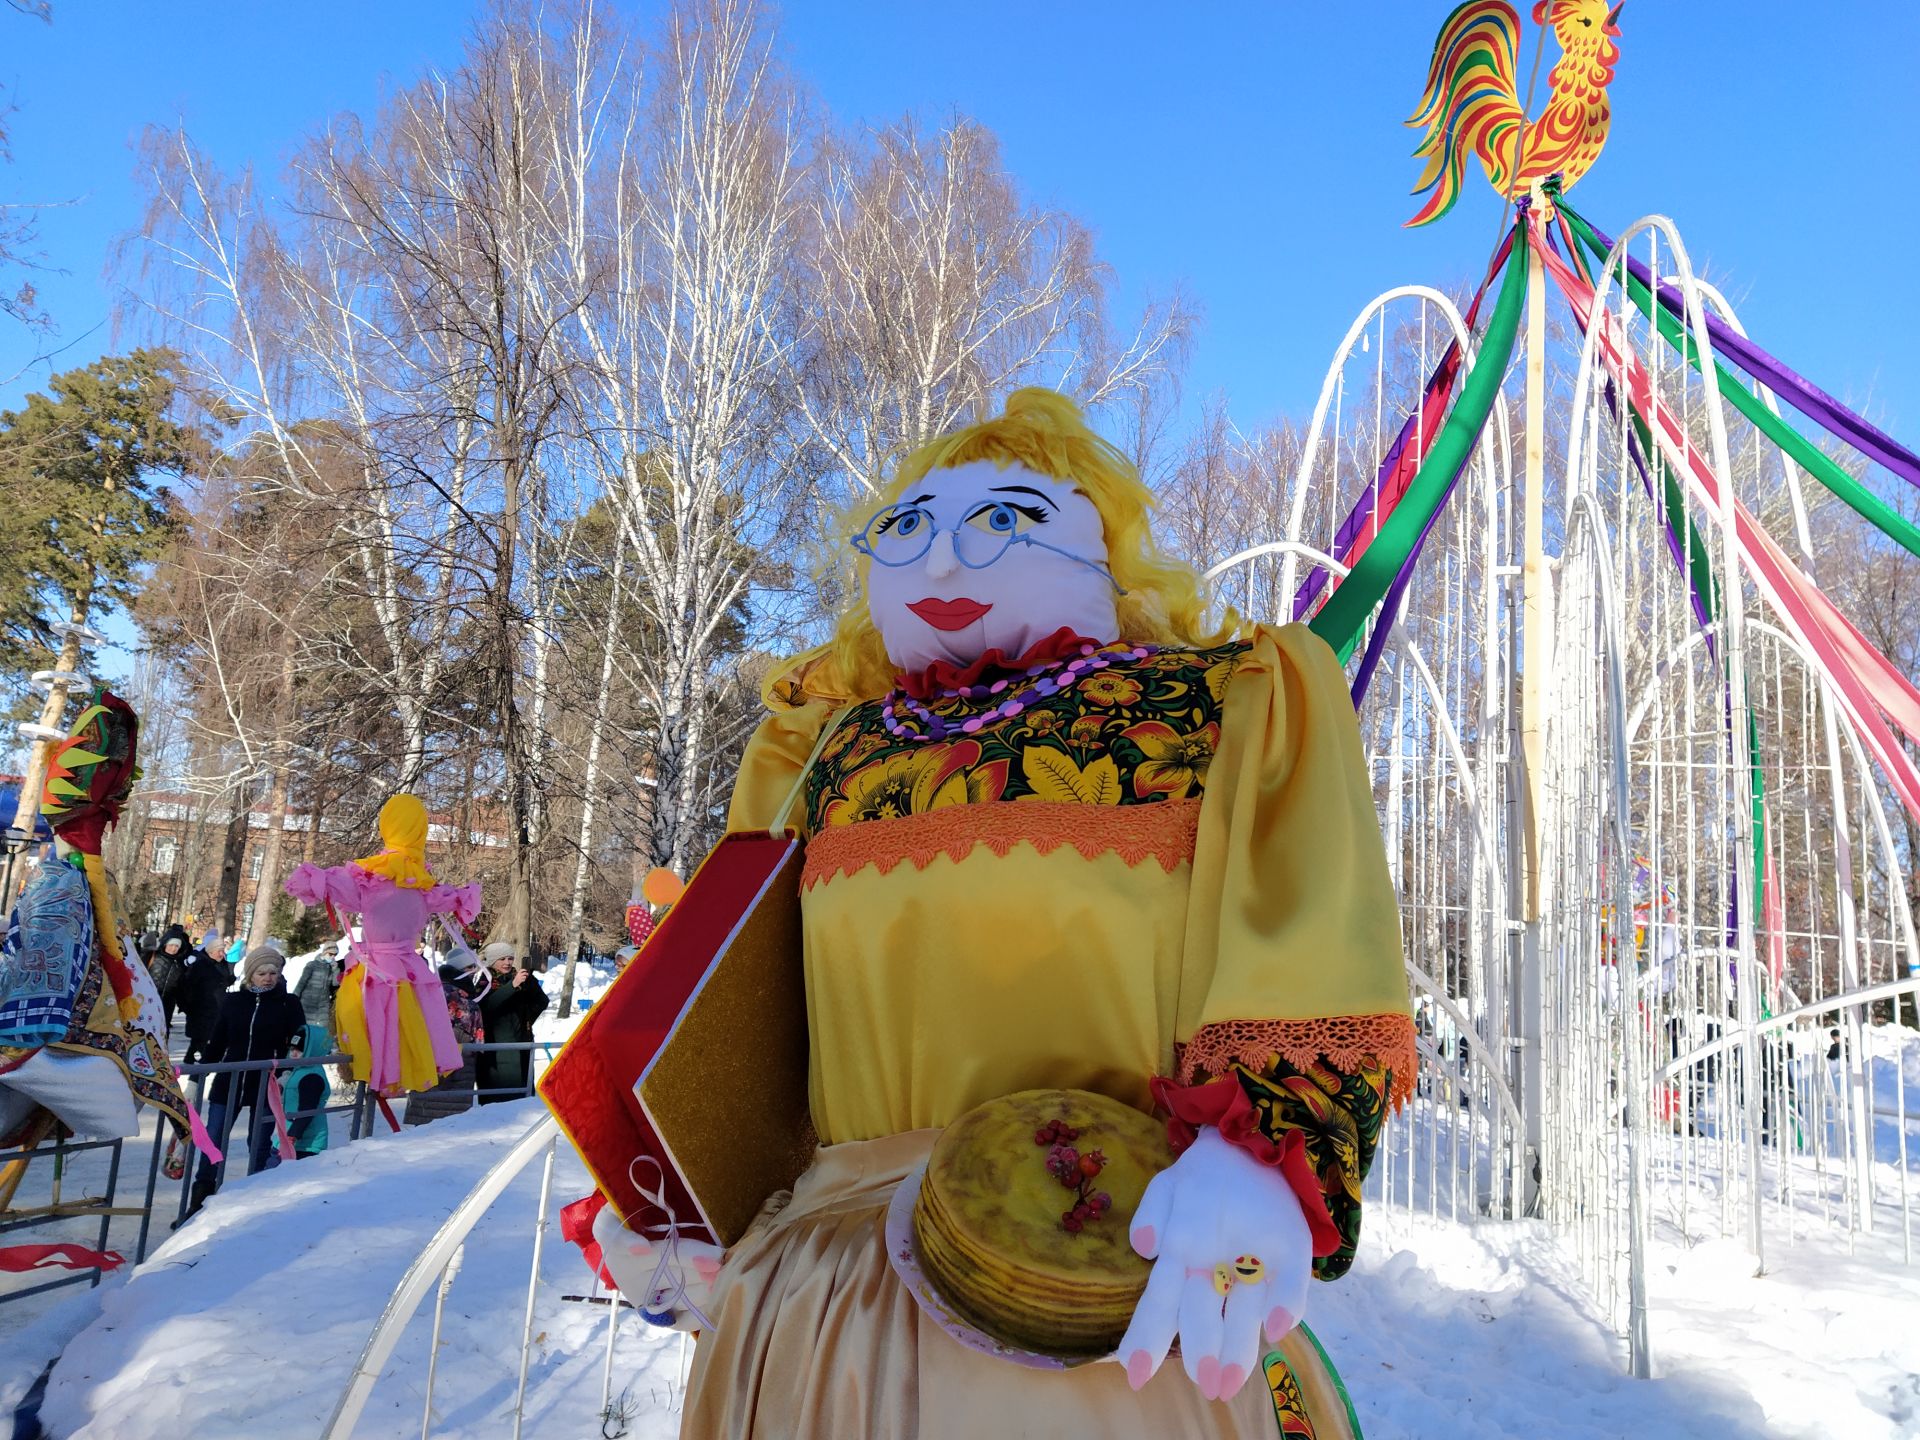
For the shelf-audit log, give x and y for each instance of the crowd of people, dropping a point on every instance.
(262, 1019)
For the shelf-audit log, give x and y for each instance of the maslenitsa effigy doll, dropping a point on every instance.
(1064, 835)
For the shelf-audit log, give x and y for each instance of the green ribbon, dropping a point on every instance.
(1342, 618)
(1869, 506)
(1699, 558)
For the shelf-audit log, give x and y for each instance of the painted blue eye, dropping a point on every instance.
(908, 523)
(1003, 519)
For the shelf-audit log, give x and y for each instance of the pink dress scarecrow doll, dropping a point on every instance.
(389, 1010)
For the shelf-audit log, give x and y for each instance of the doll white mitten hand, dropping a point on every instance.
(674, 1291)
(1232, 1256)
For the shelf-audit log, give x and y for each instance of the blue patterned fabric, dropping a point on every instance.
(44, 956)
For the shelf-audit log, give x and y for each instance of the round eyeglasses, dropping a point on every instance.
(903, 534)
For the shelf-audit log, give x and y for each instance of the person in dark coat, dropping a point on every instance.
(507, 1013)
(315, 988)
(208, 979)
(168, 965)
(256, 1022)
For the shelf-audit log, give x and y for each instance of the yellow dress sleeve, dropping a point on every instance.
(772, 764)
(1293, 931)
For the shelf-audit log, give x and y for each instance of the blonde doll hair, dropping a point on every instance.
(1164, 602)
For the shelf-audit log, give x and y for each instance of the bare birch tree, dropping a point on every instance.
(938, 288)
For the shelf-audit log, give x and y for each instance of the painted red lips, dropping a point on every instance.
(949, 614)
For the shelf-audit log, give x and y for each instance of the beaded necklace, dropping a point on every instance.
(1015, 694)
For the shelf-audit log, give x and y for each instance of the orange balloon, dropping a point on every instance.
(662, 886)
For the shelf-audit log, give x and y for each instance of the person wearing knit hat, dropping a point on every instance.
(256, 1022)
(512, 1002)
(208, 979)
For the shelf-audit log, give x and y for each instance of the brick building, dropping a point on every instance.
(168, 854)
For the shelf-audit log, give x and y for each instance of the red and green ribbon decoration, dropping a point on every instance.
(1397, 543)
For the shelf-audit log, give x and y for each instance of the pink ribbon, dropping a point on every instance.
(277, 1103)
(1870, 689)
(197, 1128)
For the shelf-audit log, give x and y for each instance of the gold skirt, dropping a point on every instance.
(815, 1338)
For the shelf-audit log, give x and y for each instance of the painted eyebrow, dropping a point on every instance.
(1026, 490)
(920, 499)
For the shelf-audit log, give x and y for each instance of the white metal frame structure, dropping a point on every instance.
(1749, 1129)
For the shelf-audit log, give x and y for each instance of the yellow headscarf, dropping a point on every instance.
(403, 830)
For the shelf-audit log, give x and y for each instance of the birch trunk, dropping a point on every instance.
(576, 908)
(267, 886)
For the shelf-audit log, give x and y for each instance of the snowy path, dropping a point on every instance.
(247, 1322)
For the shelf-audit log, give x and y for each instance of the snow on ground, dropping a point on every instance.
(1444, 1327)
(248, 1320)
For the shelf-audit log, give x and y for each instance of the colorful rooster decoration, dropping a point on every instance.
(1472, 103)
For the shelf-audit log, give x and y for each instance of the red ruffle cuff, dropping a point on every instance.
(1225, 1106)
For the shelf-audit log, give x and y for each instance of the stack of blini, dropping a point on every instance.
(1021, 1222)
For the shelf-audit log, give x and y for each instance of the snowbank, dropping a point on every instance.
(248, 1321)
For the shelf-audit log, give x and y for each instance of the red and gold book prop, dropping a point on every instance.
(695, 1059)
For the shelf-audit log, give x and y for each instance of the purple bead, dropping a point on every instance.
(1011, 708)
(972, 725)
(996, 687)
(1049, 687)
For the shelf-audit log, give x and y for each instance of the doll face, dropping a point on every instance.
(977, 558)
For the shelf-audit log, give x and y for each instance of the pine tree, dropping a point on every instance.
(86, 511)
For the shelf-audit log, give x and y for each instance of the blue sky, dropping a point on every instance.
(1253, 152)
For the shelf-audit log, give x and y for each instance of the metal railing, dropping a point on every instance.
(101, 1198)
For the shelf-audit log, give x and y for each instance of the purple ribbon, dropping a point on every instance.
(1364, 507)
(1806, 397)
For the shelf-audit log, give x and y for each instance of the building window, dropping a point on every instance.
(253, 865)
(166, 854)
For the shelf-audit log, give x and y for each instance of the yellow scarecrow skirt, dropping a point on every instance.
(415, 1053)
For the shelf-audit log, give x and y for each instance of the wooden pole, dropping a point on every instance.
(1535, 638)
(1535, 604)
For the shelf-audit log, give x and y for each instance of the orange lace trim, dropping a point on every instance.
(1349, 1042)
(1163, 832)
